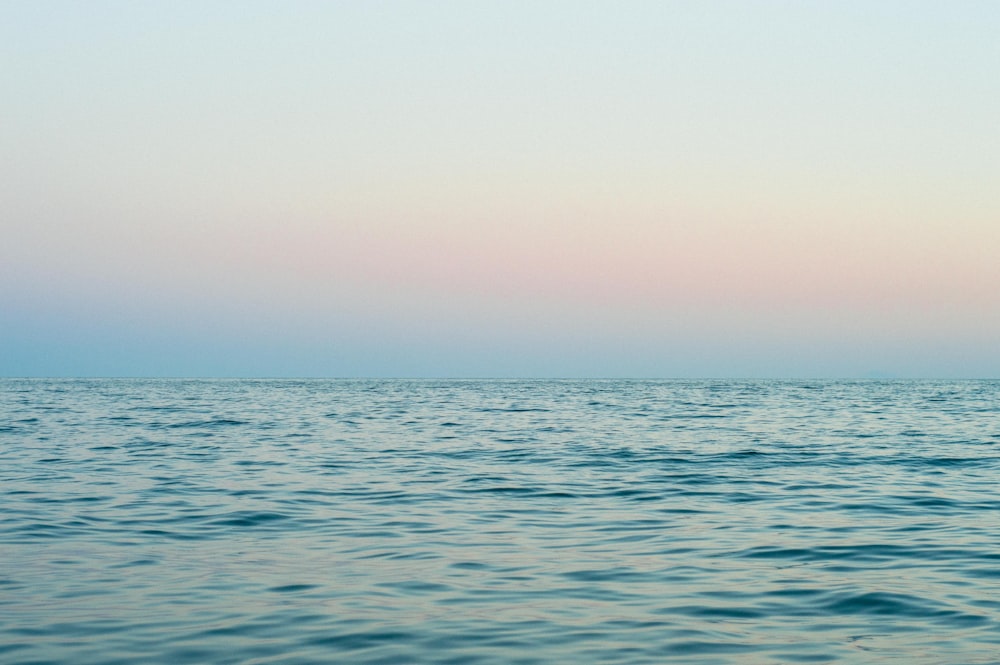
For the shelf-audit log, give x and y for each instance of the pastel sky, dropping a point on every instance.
(565, 189)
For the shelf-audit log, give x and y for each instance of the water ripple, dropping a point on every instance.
(229, 521)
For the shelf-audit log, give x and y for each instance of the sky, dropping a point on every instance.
(500, 189)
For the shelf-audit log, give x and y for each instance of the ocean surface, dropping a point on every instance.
(489, 522)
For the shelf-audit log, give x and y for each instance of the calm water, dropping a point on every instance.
(236, 521)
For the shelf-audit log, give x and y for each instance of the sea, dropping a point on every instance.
(499, 521)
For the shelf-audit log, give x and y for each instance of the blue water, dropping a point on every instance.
(396, 521)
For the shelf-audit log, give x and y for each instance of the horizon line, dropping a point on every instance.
(492, 378)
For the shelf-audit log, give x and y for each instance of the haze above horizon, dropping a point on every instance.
(544, 189)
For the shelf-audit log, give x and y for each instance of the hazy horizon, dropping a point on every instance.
(516, 379)
(466, 189)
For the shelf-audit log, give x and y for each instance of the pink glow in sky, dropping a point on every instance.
(536, 189)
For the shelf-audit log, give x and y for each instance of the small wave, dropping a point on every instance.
(292, 588)
(881, 603)
(250, 519)
(207, 424)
